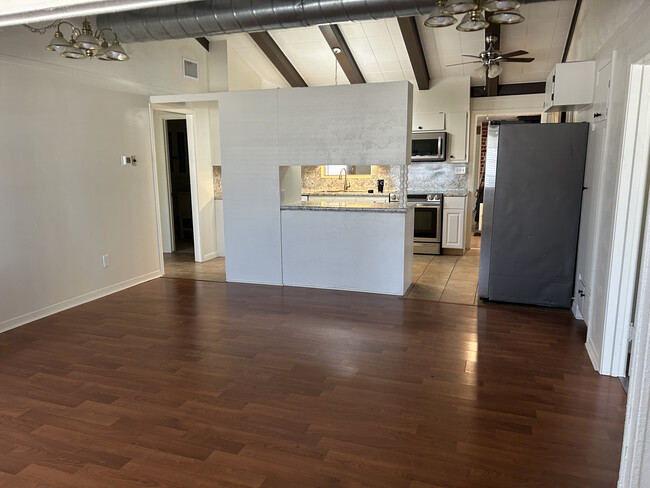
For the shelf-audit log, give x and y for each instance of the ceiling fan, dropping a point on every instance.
(492, 57)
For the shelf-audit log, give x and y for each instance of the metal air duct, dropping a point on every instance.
(213, 17)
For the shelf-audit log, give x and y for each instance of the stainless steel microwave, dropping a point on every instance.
(428, 146)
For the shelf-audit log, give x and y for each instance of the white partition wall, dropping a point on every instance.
(251, 186)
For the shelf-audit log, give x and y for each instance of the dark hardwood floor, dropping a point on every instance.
(180, 383)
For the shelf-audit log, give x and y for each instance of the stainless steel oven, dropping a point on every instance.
(428, 223)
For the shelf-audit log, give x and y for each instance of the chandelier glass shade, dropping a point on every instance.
(501, 12)
(437, 18)
(472, 21)
(85, 43)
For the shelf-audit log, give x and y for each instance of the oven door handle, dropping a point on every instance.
(427, 205)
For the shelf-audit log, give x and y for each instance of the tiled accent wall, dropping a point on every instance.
(484, 131)
(216, 181)
(312, 180)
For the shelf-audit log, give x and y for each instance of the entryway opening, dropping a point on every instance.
(179, 187)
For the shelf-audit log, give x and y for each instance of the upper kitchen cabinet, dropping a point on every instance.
(429, 121)
(457, 137)
(569, 86)
(362, 124)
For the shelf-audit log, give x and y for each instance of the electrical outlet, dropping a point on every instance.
(106, 260)
(460, 170)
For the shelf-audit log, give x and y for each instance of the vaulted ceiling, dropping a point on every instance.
(379, 49)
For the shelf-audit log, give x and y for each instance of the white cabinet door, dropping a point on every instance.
(452, 229)
(453, 222)
(429, 121)
(457, 137)
(601, 95)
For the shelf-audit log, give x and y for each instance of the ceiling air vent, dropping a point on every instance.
(190, 69)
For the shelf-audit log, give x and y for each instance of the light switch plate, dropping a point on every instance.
(460, 170)
(125, 160)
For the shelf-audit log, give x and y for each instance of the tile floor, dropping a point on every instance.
(182, 265)
(450, 279)
(444, 278)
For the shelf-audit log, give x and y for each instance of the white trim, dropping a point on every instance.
(194, 188)
(627, 224)
(73, 302)
(593, 354)
(152, 143)
(636, 443)
(210, 255)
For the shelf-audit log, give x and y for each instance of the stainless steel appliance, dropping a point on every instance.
(427, 223)
(428, 146)
(531, 212)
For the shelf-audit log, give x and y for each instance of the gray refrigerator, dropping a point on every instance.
(531, 212)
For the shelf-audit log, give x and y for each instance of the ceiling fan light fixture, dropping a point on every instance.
(473, 21)
(494, 70)
(506, 18)
(438, 19)
(500, 5)
(459, 7)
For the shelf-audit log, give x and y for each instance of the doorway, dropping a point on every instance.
(180, 194)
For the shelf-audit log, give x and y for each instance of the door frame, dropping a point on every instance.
(188, 115)
(628, 223)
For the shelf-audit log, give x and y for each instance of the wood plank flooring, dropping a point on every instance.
(181, 383)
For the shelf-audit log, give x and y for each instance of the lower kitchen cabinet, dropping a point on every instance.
(453, 222)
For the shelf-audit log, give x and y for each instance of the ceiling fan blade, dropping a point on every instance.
(471, 56)
(513, 53)
(517, 60)
(466, 62)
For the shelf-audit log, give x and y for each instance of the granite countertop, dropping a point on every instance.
(346, 206)
(346, 193)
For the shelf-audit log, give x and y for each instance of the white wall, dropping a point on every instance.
(629, 39)
(64, 198)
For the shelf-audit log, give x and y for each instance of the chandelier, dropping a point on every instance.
(502, 12)
(83, 43)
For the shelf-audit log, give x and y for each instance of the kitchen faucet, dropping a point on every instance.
(345, 181)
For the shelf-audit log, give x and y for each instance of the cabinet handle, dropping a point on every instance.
(451, 156)
(596, 114)
(581, 293)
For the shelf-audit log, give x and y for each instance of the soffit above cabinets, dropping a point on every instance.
(380, 52)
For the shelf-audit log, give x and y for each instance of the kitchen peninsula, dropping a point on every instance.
(358, 246)
(365, 247)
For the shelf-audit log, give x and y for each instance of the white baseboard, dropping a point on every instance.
(210, 255)
(593, 355)
(73, 302)
(576, 311)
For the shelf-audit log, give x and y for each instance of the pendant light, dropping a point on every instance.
(500, 5)
(506, 18)
(439, 19)
(473, 21)
(459, 7)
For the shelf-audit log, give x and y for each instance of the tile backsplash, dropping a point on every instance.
(436, 177)
(312, 181)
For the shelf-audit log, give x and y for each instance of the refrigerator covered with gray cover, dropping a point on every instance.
(531, 212)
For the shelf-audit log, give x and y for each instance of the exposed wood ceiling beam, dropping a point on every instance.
(411, 36)
(272, 51)
(204, 42)
(334, 37)
(569, 38)
(492, 84)
(511, 89)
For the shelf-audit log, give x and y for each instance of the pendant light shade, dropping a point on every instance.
(500, 5)
(506, 18)
(459, 7)
(473, 21)
(74, 52)
(86, 40)
(57, 43)
(116, 52)
(439, 19)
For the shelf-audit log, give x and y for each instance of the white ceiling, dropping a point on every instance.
(379, 49)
